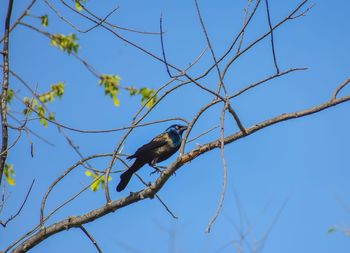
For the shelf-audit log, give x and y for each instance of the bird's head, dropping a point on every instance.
(176, 128)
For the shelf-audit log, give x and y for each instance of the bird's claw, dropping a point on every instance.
(156, 171)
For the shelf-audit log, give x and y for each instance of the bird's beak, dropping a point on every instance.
(183, 128)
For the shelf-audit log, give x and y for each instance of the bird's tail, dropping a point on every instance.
(126, 176)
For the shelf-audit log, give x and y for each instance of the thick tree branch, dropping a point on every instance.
(4, 91)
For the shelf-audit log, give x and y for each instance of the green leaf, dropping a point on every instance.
(133, 91)
(41, 113)
(148, 96)
(99, 180)
(9, 174)
(78, 6)
(58, 89)
(52, 116)
(44, 20)
(96, 185)
(116, 101)
(31, 104)
(10, 94)
(88, 173)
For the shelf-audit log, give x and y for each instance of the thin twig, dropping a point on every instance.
(31, 131)
(221, 84)
(214, 102)
(162, 45)
(94, 242)
(224, 165)
(302, 14)
(271, 34)
(25, 13)
(14, 142)
(273, 223)
(340, 87)
(117, 26)
(202, 134)
(157, 196)
(21, 207)
(246, 11)
(145, 184)
(65, 173)
(263, 36)
(253, 85)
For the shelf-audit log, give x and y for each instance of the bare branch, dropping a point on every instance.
(266, 80)
(289, 17)
(340, 87)
(303, 14)
(117, 26)
(20, 208)
(157, 196)
(222, 147)
(65, 173)
(202, 134)
(271, 34)
(53, 8)
(246, 11)
(214, 102)
(91, 239)
(221, 84)
(25, 13)
(162, 45)
(235, 116)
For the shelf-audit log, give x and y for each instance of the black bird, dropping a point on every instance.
(157, 150)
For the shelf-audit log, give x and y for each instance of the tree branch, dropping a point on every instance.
(21, 207)
(4, 92)
(91, 239)
(150, 191)
(271, 35)
(222, 147)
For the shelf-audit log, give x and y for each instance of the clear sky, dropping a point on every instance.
(288, 184)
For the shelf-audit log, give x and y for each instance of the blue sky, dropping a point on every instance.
(294, 175)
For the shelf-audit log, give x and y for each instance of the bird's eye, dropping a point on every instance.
(177, 127)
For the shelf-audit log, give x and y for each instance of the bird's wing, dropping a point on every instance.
(156, 142)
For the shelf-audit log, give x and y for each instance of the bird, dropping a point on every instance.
(157, 150)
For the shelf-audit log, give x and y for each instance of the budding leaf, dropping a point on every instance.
(9, 174)
(44, 20)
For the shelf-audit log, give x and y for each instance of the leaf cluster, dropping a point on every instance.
(32, 104)
(66, 43)
(111, 85)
